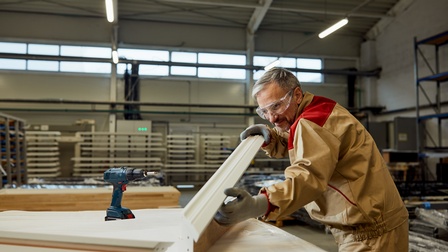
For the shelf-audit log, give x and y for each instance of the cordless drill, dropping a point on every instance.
(119, 178)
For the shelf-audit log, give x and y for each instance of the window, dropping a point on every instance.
(13, 64)
(188, 63)
(40, 49)
(221, 59)
(86, 51)
(184, 57)
(287, 62)
(221, 73)
(157, 70)
(6, 47)
(146, 55)
(181, 70)
(43, 65)
(309, 64)
(85, 67)
(140, 54)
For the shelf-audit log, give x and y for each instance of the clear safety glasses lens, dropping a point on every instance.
(276, 107)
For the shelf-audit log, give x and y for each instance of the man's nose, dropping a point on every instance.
(272, 117)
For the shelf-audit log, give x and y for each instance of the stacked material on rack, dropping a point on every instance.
(90, 182)
(43, 153)
(438, 218)
(423, 243)
(429, 230)
(95, 152)
(216, 149)
(12, 151)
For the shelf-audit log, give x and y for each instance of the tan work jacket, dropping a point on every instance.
(337, 173)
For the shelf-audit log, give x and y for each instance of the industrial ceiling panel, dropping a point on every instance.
(93, 8)
(305, 16)
(184, 13)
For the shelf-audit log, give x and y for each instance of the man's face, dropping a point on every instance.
(279, 106)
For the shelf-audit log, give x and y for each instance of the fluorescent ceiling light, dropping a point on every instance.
(110, 10)
(115, 56)
(333, 28)
(272, 65)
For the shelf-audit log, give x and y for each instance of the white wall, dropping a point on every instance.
(394, 47)
(54, 87)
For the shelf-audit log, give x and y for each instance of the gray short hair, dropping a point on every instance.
(283, 77)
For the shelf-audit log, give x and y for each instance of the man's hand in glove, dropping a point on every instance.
(243, 207)
(257, 129)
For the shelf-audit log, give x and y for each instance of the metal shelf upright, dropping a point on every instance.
(430, 71)
(13, 168)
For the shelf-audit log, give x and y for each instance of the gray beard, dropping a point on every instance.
(282, 129)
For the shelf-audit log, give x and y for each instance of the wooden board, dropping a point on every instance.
(200, 211)
(86, 199)
(47, 231)
(88, 231)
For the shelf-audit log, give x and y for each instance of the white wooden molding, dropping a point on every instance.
(201, 209)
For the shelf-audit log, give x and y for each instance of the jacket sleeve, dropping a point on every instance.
(278, 147)
(313, 160)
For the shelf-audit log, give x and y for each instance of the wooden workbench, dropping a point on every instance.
(87, 231)
(169, 230)
(135, 197)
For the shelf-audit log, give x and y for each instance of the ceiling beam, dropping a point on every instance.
(258, 16)
(225, 3)
(327, 12)
(237, 4)
(381, 25)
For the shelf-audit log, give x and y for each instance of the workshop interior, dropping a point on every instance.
(123, 110)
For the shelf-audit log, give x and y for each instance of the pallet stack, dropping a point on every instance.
(43, 154)
(98, 151)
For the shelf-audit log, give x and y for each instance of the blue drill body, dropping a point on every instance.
(119, 178)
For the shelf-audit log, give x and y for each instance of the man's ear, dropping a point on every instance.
(298, 93)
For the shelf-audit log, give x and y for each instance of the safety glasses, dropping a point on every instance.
(275, 108)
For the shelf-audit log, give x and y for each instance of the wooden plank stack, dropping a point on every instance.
(43, 153)
(86, 198)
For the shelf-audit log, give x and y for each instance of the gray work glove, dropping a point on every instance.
(257, 129)
(243, 207)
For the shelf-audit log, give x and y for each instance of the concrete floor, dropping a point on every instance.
(308, 233)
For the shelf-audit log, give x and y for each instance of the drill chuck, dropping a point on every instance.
(133, 174)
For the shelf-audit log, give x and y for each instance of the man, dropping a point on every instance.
(337, 173)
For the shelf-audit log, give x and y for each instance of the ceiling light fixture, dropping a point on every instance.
(333, 28)
(110, 10)
(115, 56)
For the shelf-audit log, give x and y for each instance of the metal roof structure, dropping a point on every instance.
(302, 16)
